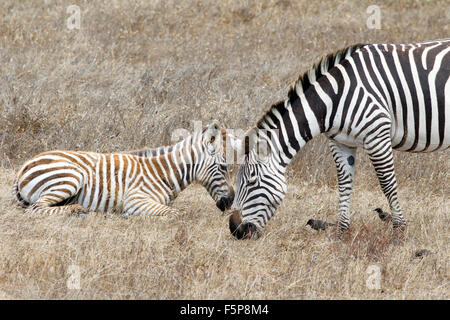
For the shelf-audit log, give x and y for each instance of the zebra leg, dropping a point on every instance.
(344, 158)
(46, 204)
(382, 159)
(141, 204)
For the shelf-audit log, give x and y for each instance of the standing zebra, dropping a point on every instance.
(377, 97)
(79, 182)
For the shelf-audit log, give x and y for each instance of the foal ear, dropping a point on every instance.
(213, 134)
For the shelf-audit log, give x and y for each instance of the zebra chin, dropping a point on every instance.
(242, 230)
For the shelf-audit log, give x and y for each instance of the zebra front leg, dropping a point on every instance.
(381, 156)
(344, 158)
(140, 204)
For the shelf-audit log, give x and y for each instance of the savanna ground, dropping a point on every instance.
(137, 70)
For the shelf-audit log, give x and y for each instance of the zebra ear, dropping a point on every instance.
(235, 142)
(212, 134)
(263, 150)
(246, 144)
(255, 143)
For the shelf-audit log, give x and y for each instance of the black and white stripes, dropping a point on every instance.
(139, 183)
(378, 97)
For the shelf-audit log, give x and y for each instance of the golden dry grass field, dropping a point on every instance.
(137, 70)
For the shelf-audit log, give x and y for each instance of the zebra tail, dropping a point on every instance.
(18, 197)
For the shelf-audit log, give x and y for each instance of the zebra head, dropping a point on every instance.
(212, 170)
(260, 186)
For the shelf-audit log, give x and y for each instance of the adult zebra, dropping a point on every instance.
(377, 97)
(79, 182)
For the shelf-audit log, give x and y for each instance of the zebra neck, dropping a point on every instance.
(174, 170)
(311, 105)
(182, 170)
(293, 122)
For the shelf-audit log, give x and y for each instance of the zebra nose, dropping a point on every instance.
(225, 202)
(239, 230)
(221, 204)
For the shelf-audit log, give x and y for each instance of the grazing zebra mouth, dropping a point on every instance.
(242, 230)
(225, 202)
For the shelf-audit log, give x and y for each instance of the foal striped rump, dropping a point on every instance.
(95, 181)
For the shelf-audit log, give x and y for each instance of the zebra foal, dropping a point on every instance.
(79, 182)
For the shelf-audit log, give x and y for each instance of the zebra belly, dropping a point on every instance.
(347, 140)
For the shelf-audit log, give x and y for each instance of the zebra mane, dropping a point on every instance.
(306, 79)
(323, 66)
(157, 151)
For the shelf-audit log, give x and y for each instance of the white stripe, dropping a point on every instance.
(172, 175)
(97, 185)
(277, 114)
(89, 188)
(120, 182)
(446, 140)
(104, 182)
(309, 114)
(112, 178)
(276, 140)
(333, 82)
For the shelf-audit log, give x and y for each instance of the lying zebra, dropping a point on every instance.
(77, 182)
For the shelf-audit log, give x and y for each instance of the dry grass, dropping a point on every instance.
(137, 70)
(195, 257)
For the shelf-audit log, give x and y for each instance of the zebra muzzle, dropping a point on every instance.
(225, 202)
(242, 230)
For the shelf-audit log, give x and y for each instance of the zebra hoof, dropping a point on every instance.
(398, 236)
(336, 234)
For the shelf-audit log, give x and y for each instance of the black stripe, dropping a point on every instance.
(299, 113)
(357, 106)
